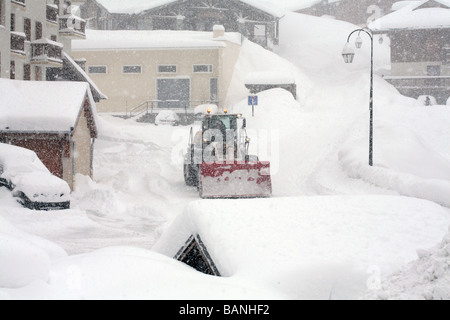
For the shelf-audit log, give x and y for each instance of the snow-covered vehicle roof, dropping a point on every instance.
(26, 175)
(167, 117)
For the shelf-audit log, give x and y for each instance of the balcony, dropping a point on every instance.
(46, 52)
(18, 43)
(52, 13)
(19, 2)
(72, 26)
(437, 86)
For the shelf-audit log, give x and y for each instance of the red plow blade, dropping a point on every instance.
(235, 180)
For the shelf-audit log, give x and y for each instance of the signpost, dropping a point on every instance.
(253, 101)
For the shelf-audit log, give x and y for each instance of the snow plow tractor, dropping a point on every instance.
(218, 163)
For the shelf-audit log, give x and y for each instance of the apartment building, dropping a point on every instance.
(420, 48)
(34, 34)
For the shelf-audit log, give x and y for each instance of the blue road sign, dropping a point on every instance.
(253, 100)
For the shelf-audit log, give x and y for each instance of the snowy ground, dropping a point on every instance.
(318, 146)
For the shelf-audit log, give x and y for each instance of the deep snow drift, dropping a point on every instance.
(318, 145)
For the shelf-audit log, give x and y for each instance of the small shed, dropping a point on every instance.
(257, 82)
(54, 119)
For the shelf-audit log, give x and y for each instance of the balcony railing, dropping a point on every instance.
(428, 82)
(44, 51)
(73, 26)
(18, 42)
(52, 13)
(19, 2)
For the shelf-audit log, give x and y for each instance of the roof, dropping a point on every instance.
(274, 241)
(78, 74)
(425, 14)
(157, 39)
(137, 6)
(41, 106)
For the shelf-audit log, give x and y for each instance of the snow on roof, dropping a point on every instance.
(269, 78)
(137, 6)
(317, 242)
(41, 106)
(132, 6)
(412, 16)
(84, 75)
(142, 39)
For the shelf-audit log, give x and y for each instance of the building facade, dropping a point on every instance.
(33, 36)
(359, 12)
(420, 48)
(258, 23)
(176, 70)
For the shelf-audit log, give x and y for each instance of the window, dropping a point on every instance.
(53, 38)
(27, 28)
(12, 71)
(132, 69)
(214, 90)
(167, 69)
(433, 71)
(202, 68)
(97, 69)
(446, 54)
(26, 72)
(2, 12)
(13, 22)
(38, 30)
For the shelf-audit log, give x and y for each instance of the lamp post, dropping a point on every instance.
(349, 53)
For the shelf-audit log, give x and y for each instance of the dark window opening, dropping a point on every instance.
(27, 28)
(13, 22)
(26, 72)
(38, 30)
(12, 71)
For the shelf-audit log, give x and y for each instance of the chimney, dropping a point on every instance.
(218, 31)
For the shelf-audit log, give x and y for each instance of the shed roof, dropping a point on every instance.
(42, 106)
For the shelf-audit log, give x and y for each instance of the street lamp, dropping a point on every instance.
(349, 53)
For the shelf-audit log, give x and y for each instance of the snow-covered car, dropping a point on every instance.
(167, 117)
(30, 181)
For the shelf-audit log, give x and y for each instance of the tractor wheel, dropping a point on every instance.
(190, 175)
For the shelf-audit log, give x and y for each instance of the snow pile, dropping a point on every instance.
(269, 78)
(427, 278)
(310, 247)
(24, 258)
(132, 273)
(403, 162)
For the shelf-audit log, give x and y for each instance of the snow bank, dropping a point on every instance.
(24, 258)
(132, 273)
(310, 247)
(402, 162)
(427, 278)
